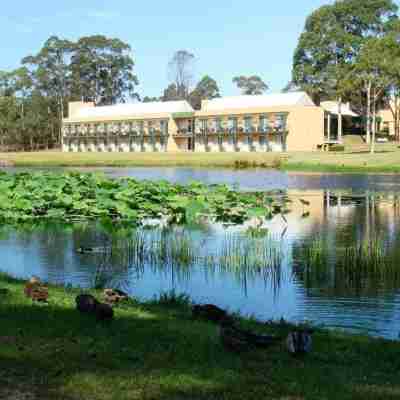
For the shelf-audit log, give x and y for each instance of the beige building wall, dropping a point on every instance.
(305, 128)
(387, 121)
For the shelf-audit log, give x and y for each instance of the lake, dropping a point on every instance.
(335, 210)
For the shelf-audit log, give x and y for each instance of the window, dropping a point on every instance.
(232, 124)
(248, 124)
(264, 123)
(203, 125)
(190, 125)
(218, 124)
(150, 127)
(164, 127)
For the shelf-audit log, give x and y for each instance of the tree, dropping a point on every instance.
(333, 36)
(290, 87)
(251, 85)
(206, 89)
(149, 99)
(171, 93)
(372, 71)
(49, 69)
(180, 73)
(103, 70)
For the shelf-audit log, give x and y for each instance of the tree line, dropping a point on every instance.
(350, 51)
(35, 96)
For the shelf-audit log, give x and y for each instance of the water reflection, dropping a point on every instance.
(259, 269)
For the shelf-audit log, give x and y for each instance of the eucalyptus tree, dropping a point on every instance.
(250, 85)
(50, 70)
(171, 93)
(102, 70)
(372, 71)
(181, 73)
(206, 89)
(333, 36)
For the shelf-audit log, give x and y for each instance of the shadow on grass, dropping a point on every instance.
(154, 352)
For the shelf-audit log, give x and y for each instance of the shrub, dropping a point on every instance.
(337, 147)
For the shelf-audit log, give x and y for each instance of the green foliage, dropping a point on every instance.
(337, 147)
(206, 89)
(331, 41)
(75, 196)
(250, 85)
(35, 96)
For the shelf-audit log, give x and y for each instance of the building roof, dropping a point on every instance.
(258, 101)
(333, 108)
(131, 109)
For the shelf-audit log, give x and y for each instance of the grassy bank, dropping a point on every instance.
(217, 160)
(156, 351)
(385, 160)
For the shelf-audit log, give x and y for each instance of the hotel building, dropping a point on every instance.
(278, 122)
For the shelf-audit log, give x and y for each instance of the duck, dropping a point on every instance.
(86, 303)
(231, 339)
(104, 312)
(299, 342)
(33, 282)
(257, 340)
(210, 312)
(40, 293)
(114, 295)
(90, 250)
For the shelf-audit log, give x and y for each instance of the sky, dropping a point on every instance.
(228, 38)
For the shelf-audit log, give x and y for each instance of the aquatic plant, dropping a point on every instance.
(176, 252)
(364, 265)
(78, 197)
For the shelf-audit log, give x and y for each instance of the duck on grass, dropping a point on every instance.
(158, 350)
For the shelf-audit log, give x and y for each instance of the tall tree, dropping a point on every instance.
(181, 73)
(372, 71)
(171, 93)
(206, 89)
(332, 38)
(103, 70)
(250, 85)
(50, 70)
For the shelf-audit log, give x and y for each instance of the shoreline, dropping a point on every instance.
(382, 163)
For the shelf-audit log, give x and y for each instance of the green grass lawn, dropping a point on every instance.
(353, 159)
(156, 351)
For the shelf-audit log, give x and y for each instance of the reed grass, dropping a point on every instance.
(364, 265)
(177, 252)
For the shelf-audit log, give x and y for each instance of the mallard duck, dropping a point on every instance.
(86, 303)
(231, 339)
(34, 282)
(256, 339)
(104, 312)
(210, 312)
(40, 293)
(114, 295)
(299, 342)
(91, 250)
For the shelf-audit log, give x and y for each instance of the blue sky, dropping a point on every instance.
(228, 37)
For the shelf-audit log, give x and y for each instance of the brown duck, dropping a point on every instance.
(113, 296)
(237, 339)
(210, 312)
(36, 290)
